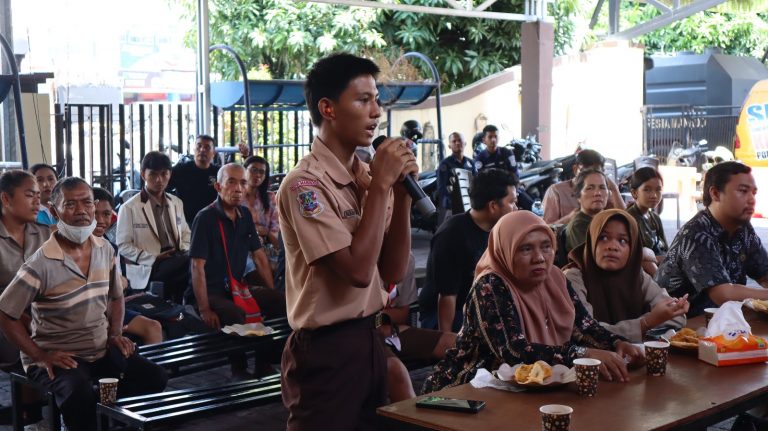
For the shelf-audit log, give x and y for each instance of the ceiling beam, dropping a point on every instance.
(675, 14)
(504, 16)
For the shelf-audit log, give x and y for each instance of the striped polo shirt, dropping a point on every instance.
(69, 309)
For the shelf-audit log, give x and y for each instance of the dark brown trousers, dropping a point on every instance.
(334, 377)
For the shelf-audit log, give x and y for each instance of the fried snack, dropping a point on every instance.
(685, 338)
(760, 304)
(535, 373)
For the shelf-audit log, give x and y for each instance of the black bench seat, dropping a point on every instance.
(147, 412)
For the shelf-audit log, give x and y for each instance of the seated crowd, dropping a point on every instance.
(492, 293)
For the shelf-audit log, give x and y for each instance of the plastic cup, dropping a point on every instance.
(656, 354)
(108, 391)
(555, 417)
(587, 372)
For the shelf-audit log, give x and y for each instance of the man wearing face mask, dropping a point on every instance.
(75, 294)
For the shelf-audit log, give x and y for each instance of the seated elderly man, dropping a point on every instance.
(74, 291)
(213, 262)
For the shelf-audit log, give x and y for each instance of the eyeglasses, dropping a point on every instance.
(257, 171)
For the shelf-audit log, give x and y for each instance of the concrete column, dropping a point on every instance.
(7, 113)
(538, 40)
(203, 92)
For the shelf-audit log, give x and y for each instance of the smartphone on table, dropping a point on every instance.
(452, 404)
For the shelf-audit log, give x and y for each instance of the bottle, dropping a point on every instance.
(537, 208)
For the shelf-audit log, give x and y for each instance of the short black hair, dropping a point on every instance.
(156, 161)
(67, 183)
(590, 158)
(204, 137)
(11, 180)
(640, 176)
(719, 175)
(583, 174)
(37, 166)
(100, 194)
(489, 128)
(330, 76)
(490, 185)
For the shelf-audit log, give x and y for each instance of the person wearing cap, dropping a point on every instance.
(346, 226)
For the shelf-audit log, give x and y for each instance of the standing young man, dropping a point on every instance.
(193, 181)
(343, 225)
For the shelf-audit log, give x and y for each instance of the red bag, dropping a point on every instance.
(241, 295)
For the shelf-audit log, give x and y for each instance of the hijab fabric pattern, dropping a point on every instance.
(546, 311)
(615, 295)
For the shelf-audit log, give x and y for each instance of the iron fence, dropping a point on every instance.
(684, 125)
(104, 144)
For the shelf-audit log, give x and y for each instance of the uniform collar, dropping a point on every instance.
(27, 231)
(336, 170)
(145, 196)
(219, 208)
(52, 249)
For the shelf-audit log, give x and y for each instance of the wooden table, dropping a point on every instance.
(692, 395)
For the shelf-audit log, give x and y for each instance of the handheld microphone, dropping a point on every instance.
(420, 199)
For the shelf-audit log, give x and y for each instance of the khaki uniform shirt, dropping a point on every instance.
(69, 308)
(320, 205)
(12, 255)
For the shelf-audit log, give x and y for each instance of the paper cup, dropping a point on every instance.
(587, 372)
(708, 313)
(555, 417)
(108, 391)
(656, 354)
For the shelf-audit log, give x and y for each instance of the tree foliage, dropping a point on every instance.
(288, 36)
(734, 27)
(284, 35)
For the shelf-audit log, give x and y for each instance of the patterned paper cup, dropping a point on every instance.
(108, 391)
(555, 417)
(656, 354)
(587, 372)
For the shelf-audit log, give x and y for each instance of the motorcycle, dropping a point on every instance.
(694, 156)
(527, 151)
(537, 178)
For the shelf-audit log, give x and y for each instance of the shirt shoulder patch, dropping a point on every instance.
(309, 204)
(304, 183)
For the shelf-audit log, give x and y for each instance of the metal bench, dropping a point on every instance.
(179, 357)
(149, 411)
(195, 353)
(17, 382)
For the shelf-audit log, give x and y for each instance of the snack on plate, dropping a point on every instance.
(535, 373)
(685, 338)
(760, 304)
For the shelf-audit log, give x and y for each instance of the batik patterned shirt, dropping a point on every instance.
(703, 255)
(491, 335)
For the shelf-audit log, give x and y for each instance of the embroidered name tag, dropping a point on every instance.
(304, 183)
(349, 213)
(309, 205)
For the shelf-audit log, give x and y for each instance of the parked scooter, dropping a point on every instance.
(694, 156)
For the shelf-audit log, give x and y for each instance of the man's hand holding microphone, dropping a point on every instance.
(395, 163)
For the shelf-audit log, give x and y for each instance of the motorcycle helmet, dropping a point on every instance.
(411, 130)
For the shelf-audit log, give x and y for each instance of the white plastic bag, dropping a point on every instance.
(728, 321)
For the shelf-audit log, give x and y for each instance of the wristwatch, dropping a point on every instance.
(580, 351)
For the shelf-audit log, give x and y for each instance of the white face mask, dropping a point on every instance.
(76, 234)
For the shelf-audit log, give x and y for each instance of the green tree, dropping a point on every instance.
(468, 49)
(288, 36)
(284, 35)
(736, 27)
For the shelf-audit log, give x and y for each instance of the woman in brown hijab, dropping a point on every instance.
(521, 310)
(607, 276)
